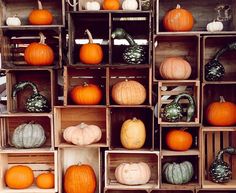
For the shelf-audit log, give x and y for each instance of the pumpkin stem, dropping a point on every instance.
(134, 119)
(222, 100)
(42, 38)
(126, 80)
(178, 6)
(85, 84)
(40, 6)
(184, 128)
(89, 36)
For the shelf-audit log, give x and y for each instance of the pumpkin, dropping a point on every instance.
(175, 68)
(45, 180)
(221, 113)
(90, 53)
(179, 140)
(87, 94)
(38, 53)
(128, 92)
(40, 16)
(28, 135)
(175, 173)
(13, 21)
(130, 5)
(133, 173)
(92, 5)
(215, 26)
(19, 177)
(80, 179)
(111, 5)
(178, 19)
(82, 134)
(133, 134)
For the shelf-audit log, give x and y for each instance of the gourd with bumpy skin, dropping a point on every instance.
(220, 171)
(35, 103)
(133, 54)
(130, 5)
(173, 111)
(214, 26)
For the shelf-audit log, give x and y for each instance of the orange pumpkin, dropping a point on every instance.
(87, 94)
(90, 53)
(40, 16)
(221, 113)
(39, 54)
(178, 19)
(80, 179)
(111, 5)
(19, 177)
(45, 180)
(179, 140)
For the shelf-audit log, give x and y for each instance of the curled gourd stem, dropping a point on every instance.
(42, 38)
(178, 6)
(89, 36)
(40, 6)
(222, 100)
(22, 85)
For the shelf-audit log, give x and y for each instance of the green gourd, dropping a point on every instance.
(220, 171)
(35, 103)
(133, 54)
(173, 111)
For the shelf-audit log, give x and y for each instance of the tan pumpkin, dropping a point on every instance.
(175, 68)
(128, 92)
(133, 134)
(133, 173)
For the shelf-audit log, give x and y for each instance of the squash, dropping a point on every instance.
(215, 26)
(173, 111)
(19, 177)
(40, 16)
(87, 94)
(220, 171)
(130, 5)
(178, 20)
(133, 134)
(133, 173)
(28, 135)
(38, 53)
(111, 4)
(128, 92)
(80, 179)
(13, 21)
(179, 140)
(92, 5)
(36, 103)
(134, 53)
(90, 53)
(221, 113)
(175, 173)
(45, 180)
(82, 134)
(175, 68)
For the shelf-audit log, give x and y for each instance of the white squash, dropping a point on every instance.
(130, 5)
(215, 26)
(13, 21)
(92, 5)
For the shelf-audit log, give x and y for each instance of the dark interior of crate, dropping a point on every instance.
(185, 47)
(3, 92)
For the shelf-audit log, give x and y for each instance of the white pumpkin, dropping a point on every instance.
(133, 173)
(215, 26)
(92, 5)
(130, 5)
(13, 21)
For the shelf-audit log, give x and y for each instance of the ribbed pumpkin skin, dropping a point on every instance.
(40, 17)
(19, 177)
(45, 181)
(91, 54)
(80, 179)
(111, 4)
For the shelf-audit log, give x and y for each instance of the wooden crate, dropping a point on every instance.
(44, 79)
(38, 161)
(77, 76)
(154, 191)
(125, 191)
(215, 191)
(23, 8)
(203, 13)
(73, 156)
(186, 46)
(114, 158)
(65, 117)
(213, 140)
(210, 46)
(167, 91)
(8, 123)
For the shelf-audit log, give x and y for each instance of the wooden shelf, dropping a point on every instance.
(180, 153)
(211, 185)
(188, 186)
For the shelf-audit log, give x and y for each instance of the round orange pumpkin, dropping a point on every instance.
(87, 94)
(221, 113)
(39, 54)
(80, 179)
(40, 16)
(178, 19)
(90, 53)
(19, 177)
(45, 180)
(179, 140)
(111, 5)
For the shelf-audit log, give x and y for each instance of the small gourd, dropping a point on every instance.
(13, 21)
(133, 54)
(215, 26)
(36, 103)
(173, 111)
(92, 5)
(130, 5)
(220, 171)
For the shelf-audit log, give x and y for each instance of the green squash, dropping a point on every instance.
(134, 54)
(220, 171)
(35, 103)
(175, 173)
(173, 111)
